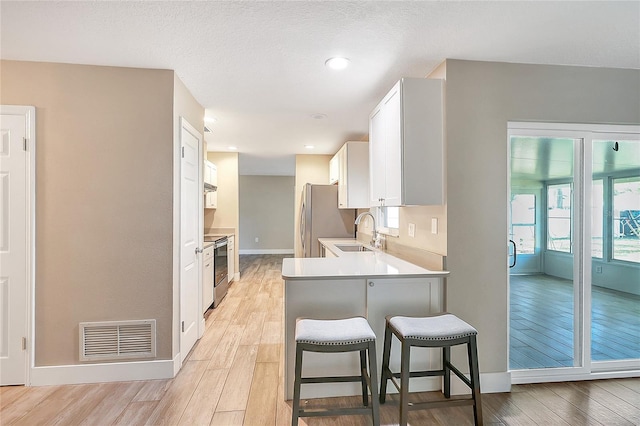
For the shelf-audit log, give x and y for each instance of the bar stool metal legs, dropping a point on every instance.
(334, 336)
(443, 331)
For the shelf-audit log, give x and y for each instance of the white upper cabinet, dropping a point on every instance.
(352, 164)
(210, 173)
(406, 147)
(210, 177)
(334, 169)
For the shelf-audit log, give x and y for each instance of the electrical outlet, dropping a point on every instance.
(598, 269)
(434, 225)
(257, 239)
(412, 230)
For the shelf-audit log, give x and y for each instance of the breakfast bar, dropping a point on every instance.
(356, 281)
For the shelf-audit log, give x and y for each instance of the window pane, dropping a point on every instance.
(559, 217)
(523, 219)
(524, 236)
(597, 210)
(626, 219)
(392, 217)
(523, 209)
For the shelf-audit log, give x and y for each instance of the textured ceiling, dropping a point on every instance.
(258, 67)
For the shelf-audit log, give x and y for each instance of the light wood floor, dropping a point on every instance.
(233, 377)
(541, 325)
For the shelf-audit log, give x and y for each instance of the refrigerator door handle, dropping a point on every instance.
(302, 224)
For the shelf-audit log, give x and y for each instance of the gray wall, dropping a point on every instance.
(481, 97)
(266, 212)
(104, 173)
(616, 276)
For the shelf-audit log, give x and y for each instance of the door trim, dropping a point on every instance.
(29, 112)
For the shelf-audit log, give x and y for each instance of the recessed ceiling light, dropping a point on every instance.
(210, 119)
(233, 148)
(319, 116)
(337, 63)
(309, 146)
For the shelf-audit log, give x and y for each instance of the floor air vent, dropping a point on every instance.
(113, 340)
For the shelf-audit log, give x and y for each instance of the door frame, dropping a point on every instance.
(29, 112)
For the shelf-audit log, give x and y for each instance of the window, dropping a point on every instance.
(626, 219)
(388, 219)
(523, 222)
(559, 217)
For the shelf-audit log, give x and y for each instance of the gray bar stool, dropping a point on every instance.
(343, 335)
(444, 330)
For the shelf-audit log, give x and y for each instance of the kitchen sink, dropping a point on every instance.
(352, 247)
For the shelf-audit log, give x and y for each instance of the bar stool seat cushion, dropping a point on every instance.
(348, 331)
(439, 327)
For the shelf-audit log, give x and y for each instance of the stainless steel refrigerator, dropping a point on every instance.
(320, 217)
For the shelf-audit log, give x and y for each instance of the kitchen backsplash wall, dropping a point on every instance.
(432, 248)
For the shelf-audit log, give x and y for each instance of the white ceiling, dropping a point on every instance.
(258, 67)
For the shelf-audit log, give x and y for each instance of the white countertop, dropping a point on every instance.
(370, 264)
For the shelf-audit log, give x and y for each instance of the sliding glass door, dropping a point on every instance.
(574, 265)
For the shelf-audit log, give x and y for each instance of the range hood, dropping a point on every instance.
(210, 188)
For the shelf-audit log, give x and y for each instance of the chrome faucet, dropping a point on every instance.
(374, 234)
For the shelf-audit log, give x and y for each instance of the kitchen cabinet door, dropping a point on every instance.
(351, 163)
(210, 173)
(231, 256)
(377, 163)
(207, 278)
(211, 200)
(334, 169)
(353, 187)
(407, 146)
(407, 297)
(393, 149)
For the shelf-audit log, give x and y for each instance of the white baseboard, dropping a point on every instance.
(266, 251)
(326, 390)
(106, 372)
(523, 378)
(489, 383)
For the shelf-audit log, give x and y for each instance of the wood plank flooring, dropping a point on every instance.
(541, 325)
(233, 376)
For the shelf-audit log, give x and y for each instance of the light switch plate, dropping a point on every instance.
(412, 230)
(434, 225)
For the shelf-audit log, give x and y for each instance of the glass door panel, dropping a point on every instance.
(615, 283)
(543, 294)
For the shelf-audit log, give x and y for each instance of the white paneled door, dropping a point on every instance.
(16, 145)
(190, 236)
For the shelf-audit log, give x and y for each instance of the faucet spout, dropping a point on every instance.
(374, 234)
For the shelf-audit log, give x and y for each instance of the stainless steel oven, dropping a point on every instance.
(220, 262)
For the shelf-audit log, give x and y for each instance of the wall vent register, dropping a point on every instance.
(113, 340)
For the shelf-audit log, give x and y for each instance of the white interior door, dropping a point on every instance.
(16, 145)
(190, 236)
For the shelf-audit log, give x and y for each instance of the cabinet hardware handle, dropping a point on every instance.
(371, 284)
